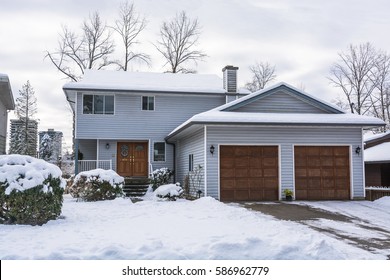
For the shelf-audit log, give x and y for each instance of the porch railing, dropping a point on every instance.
(374, 193)
(86, 165)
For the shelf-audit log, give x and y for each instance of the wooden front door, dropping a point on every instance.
(132, 159)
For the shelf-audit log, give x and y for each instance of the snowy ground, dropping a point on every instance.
(201, 229)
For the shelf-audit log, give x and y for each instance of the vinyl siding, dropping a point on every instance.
(88, 149)
(192, 144)
(286, 138)
(280, 102)
(131, 123)
(3, 127)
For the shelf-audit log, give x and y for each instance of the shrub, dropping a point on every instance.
(30, 190)
(160, 177)
(97, 184)
(169, 191)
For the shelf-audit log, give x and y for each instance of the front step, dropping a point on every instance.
(135, 186)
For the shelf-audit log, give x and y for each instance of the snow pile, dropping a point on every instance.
(100, 175)
(20, 172)
(384, 201)
(169, 191)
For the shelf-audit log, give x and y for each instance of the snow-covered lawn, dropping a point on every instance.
(200, 229)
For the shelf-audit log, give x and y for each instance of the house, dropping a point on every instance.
(6, 103)
(377, 160)
(249, 146)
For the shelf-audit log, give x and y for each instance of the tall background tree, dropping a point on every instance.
(363, 75)
(128, 26)
(24, 129)
(177, 43)
(262, 74)
(89, 50)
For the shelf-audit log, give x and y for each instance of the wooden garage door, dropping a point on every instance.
(249, 173)
(322, 173)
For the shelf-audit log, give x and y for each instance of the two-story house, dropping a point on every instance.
(6, 104)
(250, 146)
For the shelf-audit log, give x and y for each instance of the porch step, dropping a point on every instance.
(136, 187)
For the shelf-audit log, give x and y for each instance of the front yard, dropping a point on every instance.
(200, 229)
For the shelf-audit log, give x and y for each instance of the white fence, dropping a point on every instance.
(86, 165)
(374, 193)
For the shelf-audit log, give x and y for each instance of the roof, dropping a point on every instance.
(372, 137)
(221, 115)
(147, 81)
(378, 153)
(6, 96)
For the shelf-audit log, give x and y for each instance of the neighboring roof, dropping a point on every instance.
(147, 81)
(6, 96)
(270, 90)
(372, 137)
(222, 115)
(378, 153)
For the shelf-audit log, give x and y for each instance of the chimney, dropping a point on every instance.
(230, 78)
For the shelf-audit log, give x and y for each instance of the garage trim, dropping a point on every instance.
(329, 145)
(249, 144)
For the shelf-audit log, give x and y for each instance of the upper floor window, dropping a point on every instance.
(148, 103)
(98, 104)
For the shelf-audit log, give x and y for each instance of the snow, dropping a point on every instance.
(201, 229)
(169, 190)
(24, 172)
(101, 175)
(378, 153)
(164, 82)
(369, 136)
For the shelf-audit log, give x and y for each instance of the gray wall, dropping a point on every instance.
(130, 122)
(3, 127)
(280, 102)
(286, 137)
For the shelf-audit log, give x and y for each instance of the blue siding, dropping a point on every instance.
(286, 138)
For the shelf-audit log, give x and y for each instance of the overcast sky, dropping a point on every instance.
(301, 38)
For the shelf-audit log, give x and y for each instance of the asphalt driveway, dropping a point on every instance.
(374, 239)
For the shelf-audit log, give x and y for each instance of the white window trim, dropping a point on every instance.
(165, 152)
(142, 102)
(93, 94)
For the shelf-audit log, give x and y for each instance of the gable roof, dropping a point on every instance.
(105, 80)
(299, 94)
(6, 96)
(222, 116)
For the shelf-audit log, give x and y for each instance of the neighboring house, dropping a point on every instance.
(250, 148)
(377, 159)
(6, 103)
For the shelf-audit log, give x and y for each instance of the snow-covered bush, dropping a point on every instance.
(160, 177)
(97, 184)
(30, 190)
(169, 191)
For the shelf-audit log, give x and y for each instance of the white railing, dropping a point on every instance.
(86, 165)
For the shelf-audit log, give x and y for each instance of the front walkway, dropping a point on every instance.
(353, 230)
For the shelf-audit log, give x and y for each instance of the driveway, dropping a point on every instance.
(353, 230)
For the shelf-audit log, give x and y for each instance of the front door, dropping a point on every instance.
(132, 159)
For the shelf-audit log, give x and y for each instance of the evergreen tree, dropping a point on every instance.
(45, 148)
(24, 129)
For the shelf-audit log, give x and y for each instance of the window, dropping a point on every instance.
(159, 151)
(98, 104)
(148, 103)
(190, 162)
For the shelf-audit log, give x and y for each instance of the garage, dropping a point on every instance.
(322, 172)
(249, 173)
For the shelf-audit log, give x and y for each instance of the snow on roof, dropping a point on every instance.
(6, 93)
(377, 153)
(281, 84)
(148, 81)
(369, 137)
(218, 117)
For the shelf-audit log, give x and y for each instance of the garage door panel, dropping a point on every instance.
(252, 171)
(322, 172)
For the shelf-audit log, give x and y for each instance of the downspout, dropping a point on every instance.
(174, 159)
(76, 157)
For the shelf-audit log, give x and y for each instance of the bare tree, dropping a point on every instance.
(354, 74)
(129, 25)
(90, 50)
(263, 73)
(178, 39)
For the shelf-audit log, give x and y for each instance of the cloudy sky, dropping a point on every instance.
(301, 38)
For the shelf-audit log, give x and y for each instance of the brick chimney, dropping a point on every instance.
(230, 78)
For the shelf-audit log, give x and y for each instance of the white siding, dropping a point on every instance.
(286, 137)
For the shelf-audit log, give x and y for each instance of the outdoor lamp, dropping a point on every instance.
(357, 150)
(107, 146)
(212, 149)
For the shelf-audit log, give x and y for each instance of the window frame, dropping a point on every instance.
(103, 106)
(190, 162)
(148, 102)
(165, 151)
